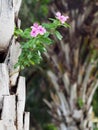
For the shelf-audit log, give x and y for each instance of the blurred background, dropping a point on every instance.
(38, 85)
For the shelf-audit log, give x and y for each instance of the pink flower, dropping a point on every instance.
(34, 32)
(41, 30)
(58, 14)
(37, 29)
(61, 18)
(35, 25)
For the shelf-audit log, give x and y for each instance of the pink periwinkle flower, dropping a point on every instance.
(61, 18)
(37, 29)
(41, 30)
(34, 32)
(35, 25)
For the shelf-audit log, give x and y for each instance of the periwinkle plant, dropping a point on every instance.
(36, 38)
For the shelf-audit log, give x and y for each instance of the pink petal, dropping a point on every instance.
(34, 32)
(35, 25)
(37, 29)
(41, 30)
(58, 14)
(61, 18)
(65, 17)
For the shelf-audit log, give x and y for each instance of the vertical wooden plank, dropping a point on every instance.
(26, 120)
(4, 82)
(17, 4)
(20, 102)
(8, 114)
(6, 23)
(9, 127)
(1, 125)
(15, 51)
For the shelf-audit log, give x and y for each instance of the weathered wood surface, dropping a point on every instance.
(9, 112)
(1, 125)
(4, 82)
(14, 51)
(6, 23)
(26, 120)
(20, 102)
(8, 11)
(12, 103)
(13, 116)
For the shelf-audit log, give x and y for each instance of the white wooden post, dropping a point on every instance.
(12, 103)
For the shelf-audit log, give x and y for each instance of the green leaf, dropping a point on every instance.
(45, 40)
(51, 19)
(49, 25)
(26, 33)
(66, 25)
(41, 48)
(56, 22)
(46, 34)
(80, 102)
(58, 35)
(50, 127)
(18, 31)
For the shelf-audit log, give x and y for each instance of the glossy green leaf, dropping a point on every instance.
(58, 35)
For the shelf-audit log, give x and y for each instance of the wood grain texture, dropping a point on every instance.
(26, 120)
(4, 82)
(12, 100)
(21, 102)
(6, 23)
(8, 11)
(8, 113)
(15, 51)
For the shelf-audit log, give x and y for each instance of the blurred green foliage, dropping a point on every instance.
(95, 103)
(95, 127)
(34, 103)
(33, 10)
(80, 102)
(49, 127)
